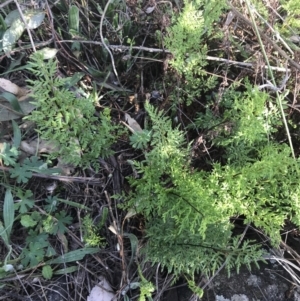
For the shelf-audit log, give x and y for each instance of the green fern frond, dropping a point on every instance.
(67, 120)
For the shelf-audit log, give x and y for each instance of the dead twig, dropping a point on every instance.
(5, 3)
(264, 36)
(122, 48)
(26, 25)
(103, 41)
(68, 179)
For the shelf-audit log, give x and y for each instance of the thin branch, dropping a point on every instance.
(5, 3)
(41, 44)
(122, 48)
(103, 42)
(263, 35)
(67, 179)
(26, 25)
(251, 65)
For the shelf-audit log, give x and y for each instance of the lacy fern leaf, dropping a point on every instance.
(68, 120)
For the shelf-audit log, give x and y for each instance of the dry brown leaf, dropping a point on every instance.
(38, 146)
(23, 93)
(65, 168)
(7, 86)
(102, 292)
(133, 125)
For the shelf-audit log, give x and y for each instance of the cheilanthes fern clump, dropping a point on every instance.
(66, 119)
(188, 212)
(186, 41)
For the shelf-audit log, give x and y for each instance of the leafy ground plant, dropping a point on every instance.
(191, 210)
(40, 225)
(67, 119)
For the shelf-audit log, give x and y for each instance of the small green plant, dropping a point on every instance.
(291, 24)
(41, 226)
(22, 172)
(244, 126)
(68, 120)
(145, 286)
(91, 236)
(188, 212)
(40, 223)
(186, 41)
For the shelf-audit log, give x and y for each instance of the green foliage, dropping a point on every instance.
(194, 288)
(23, 171)
(34, 253)
(248, 121)
(40, 226)
(90, 235)
(188, 212)
(68, 120)
(9, 154)
(146, 287)
(26, 201)
(7, 217)
(57, 225)
(47, 272)
(186, 41)
(292, 10)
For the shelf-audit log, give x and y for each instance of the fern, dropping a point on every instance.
(186, 41)
(248, 122)
(188, 212)
(68, 120)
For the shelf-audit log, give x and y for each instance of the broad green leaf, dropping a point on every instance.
(8, 212)
(74, 204)
(103, 217)
(8, 113)
(33, 255)
(47, 53)
(65, 271)
(134, 285)
(72, 81)
(12, 17)
(74, 18)
(134, 245)
(12, 35)
(3, 234)
(27, 221)
(15, 69)
(73, 256)
(50, 251)
(21, 173)
(42, 238)
(33, 163)
(34, 19)
(126, 298)
(3, 25)
(12, 99)
(47, 272)
(16, 63)
(62, 220)
(25, 202)
(17, 134)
